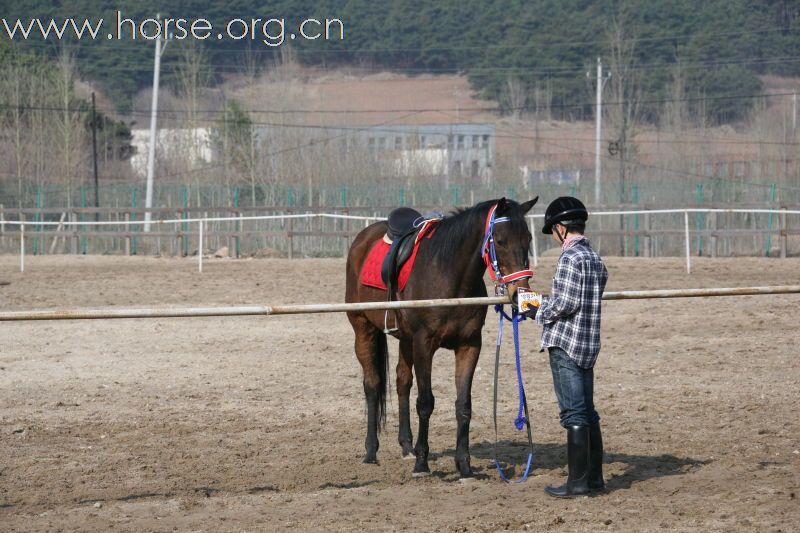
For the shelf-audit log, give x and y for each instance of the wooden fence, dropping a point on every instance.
(288, 232)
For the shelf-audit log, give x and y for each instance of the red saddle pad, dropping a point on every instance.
(371, 270)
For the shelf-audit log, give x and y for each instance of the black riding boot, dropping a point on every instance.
(596, 458)
(577, 463)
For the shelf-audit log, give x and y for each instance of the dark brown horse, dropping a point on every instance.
(449, 264)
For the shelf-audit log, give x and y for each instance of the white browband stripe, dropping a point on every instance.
(522, 274)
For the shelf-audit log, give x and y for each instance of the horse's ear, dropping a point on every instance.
(527, 206)
(501, 204)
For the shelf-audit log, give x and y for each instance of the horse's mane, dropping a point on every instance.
(447, 242)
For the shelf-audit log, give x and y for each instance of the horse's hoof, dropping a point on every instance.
(407, 456)
(370, 460)
(466, 480)
(420, 474)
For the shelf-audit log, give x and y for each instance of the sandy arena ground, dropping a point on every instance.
(258, 423)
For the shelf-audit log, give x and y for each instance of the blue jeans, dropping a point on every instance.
(574, 390)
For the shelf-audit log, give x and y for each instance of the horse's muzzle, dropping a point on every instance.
(512, 288)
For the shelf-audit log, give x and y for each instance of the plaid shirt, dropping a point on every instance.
(570, 317)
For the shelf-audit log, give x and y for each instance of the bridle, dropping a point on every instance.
(489, 254)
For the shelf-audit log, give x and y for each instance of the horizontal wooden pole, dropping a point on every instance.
(254, 310)
(700, 293)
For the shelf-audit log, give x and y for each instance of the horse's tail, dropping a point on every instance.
(382, 366)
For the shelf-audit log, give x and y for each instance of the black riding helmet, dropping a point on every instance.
(564, 210)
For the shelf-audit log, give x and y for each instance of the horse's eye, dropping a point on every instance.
(500, 242)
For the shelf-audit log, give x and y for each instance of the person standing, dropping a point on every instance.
(570, 320)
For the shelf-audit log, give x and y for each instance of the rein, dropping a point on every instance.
(523, 419)
(489, 254)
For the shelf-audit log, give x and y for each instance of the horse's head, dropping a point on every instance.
(507, 244)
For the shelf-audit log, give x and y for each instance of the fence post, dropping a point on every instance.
(239, 233)
(699, 219)
(714, 234)
(38, 217)
(200, 248)
(635, 200)
(784, 234)
(73, 240)
(22, 242)
(289, 228)
(127, 233)
(768, 242)
(185, 232)
(133, 216)
(648, 239)
(83, 219)
(688, 250)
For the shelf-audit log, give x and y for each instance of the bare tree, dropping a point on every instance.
(624, 113)
(68, 124)
(516, 95)
(192, 77)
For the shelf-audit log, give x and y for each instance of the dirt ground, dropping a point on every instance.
(258, 423)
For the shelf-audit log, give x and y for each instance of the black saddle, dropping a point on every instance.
(402, 232)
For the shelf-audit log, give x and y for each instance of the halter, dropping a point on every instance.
(489, 253)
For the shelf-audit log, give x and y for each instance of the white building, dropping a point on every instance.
(180, 144)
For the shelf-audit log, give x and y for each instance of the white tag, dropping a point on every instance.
(527, 299)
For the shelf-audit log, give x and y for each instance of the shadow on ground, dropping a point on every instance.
(513, 457)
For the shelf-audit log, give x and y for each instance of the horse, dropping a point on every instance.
(450, 263)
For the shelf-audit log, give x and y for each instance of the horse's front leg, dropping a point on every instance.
(466, 361)
(405, 378)
(423, 363)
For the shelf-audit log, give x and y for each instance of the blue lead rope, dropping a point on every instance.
(523, 418)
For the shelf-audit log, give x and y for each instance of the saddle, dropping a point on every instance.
(402, 236)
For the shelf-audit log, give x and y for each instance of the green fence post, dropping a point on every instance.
(455, 194)
(772, 197)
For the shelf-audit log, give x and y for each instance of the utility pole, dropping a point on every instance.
(94, 158)
(151, 155)
(598, 112)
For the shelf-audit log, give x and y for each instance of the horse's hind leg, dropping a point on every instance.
(372, 353)
(405, 377)
(466, 361)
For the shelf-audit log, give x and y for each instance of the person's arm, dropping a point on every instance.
(566, 297)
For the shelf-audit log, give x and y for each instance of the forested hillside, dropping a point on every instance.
(521, 53)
